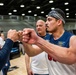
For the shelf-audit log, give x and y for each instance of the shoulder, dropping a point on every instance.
(73, 41)
(73, 38)
(68, 33)
(72, 44)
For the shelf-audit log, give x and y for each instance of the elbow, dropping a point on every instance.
(70, 62)
(69, 59)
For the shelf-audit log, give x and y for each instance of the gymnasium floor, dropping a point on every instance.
(20, 63)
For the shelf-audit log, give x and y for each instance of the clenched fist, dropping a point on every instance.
(13, 35)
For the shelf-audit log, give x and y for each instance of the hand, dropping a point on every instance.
(20, 35)
(29, 72)
(13, 35)
(29, 36)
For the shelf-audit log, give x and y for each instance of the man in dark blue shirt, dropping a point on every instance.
(12, 36)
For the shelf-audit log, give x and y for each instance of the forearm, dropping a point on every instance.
(31, 50)
(61, 54)
(27, 62)
(5, 51)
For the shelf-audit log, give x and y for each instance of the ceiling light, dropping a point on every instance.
(52, 8)
(14, 10)
(42, 12)
(23, 14)
(1, 4)
(22, 6)
(67, 16)
(66, 3)
(9, 13)
(67, 9)
(35, 14)
(46, 15)
(67, 13)
(38, 7)
(29, 11)
(51, 1)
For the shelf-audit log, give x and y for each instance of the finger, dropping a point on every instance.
(27, 31)
(25, 40)
(20, 31)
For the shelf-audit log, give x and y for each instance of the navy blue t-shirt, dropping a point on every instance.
(46, 37)
(63, 40)
(5, 52)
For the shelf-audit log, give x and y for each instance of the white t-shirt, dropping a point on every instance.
(1, 42)
(39, 64)
(56, 68)
(1, 72)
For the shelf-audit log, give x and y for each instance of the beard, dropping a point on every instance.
(52, 30)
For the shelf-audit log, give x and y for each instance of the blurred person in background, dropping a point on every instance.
(12, 36)
(7, 65)
(1, 40)
(38, 65)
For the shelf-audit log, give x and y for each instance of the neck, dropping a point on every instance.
(58, 34)
(43, 34)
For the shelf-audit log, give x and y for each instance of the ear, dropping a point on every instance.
(59, 22)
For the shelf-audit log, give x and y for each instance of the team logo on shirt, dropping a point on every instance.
(60, 43)
(47, 40)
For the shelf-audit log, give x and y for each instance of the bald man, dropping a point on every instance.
(38, 62)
